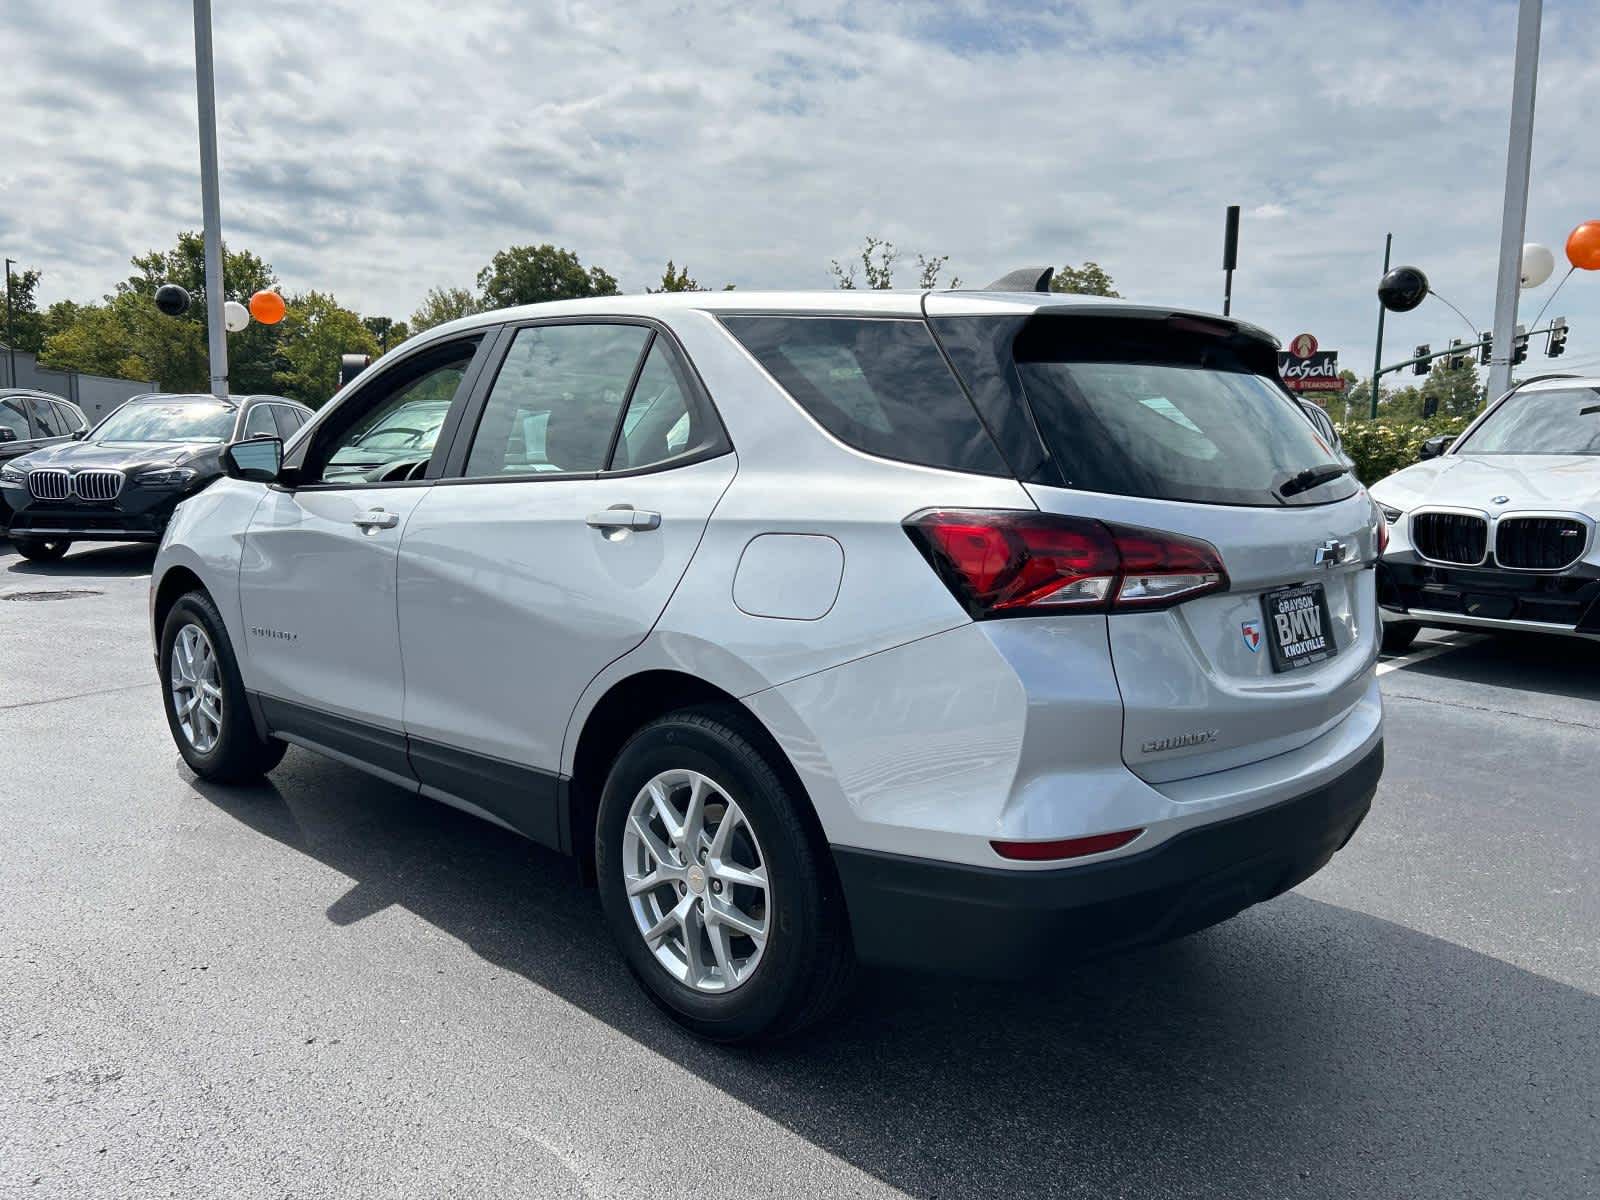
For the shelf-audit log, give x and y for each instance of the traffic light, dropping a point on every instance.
(1486, 350)
(1459, 359)
(1557, 346)
(1519, 346)
(1421, 368)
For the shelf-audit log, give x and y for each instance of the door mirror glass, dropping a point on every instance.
(79, 434)
(1435, 446)
(258, 460)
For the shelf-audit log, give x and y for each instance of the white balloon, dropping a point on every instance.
(236, 316)
(1537, 264)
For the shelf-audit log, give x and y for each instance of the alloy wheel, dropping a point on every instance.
(696, 880)
(197, 688)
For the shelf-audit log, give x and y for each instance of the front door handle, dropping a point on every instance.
(376, 519)
(625, 516)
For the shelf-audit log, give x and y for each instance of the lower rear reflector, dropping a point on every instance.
(1066, 847)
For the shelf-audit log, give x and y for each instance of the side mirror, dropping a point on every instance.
(7, 434)
(259, 460)
(79, 434)
(1435, 446)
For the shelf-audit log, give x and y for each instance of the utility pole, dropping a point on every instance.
(1377, 353)
(11, 337)
(1514, 217)
(210, 198)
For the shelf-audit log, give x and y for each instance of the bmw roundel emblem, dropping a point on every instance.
(1500, 500)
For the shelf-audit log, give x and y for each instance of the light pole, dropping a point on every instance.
(11, 337)
(1513, 218)
(1377, 353)
(210, 199)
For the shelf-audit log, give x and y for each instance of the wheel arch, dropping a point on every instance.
(176, 582)
(629, 704)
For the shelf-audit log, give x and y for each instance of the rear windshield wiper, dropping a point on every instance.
(1311, 477)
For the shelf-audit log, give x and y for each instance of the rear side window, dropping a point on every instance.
(1143, 414)
(50, 419)
(879, 385)
(289, 420)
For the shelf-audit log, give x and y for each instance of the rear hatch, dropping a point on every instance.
(1172, 423)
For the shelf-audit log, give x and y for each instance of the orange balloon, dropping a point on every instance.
(1583, 246)
(267, 307)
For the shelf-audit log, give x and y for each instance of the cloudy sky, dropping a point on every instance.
(378, 149)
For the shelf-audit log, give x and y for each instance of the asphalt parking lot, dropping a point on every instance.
(327, 987)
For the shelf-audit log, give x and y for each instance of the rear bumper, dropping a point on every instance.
(913, 912)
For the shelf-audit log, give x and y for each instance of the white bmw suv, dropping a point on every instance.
(977, 630)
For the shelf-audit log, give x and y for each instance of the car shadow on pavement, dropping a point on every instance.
(94, 562)
(1300, 1049)
(1567, 667)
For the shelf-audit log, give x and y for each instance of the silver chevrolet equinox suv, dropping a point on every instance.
(971, 630)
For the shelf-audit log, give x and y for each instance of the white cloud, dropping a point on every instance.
(378, 150)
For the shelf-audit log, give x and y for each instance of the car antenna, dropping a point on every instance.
(1024, 279)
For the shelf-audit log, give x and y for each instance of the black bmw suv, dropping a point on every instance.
(120, 481)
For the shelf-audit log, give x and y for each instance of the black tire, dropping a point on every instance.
(240, 754)
(808, 963)
(1398, 636)
(40, 549)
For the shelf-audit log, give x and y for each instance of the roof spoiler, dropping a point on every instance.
(1025, 279)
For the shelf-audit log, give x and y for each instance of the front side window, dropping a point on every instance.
(168, 421)
(879, 385)
(555, 402)
(394, 425)
(71, 418)
(1562, 421)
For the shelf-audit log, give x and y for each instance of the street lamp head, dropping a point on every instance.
(1402, 289)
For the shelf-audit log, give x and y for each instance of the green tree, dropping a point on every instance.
(1455, 390)
(534, 274)
(676, 279)
(1088, 280)
(315, 332)
(441, 305)
(27, 322)
(127, 336)
(386, 331)
(878, 257)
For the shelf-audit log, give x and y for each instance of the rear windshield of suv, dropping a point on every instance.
(1143, 414)
(877, 384)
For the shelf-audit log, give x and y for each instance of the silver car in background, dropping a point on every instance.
(969, 630)
(1495, 529)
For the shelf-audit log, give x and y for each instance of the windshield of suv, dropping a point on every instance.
(1564, 421)
(168, 421)
(1137, 410)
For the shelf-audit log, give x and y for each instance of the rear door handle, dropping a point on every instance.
(376, 519)
(625, 516)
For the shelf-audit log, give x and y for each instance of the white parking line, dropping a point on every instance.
(1431, 650)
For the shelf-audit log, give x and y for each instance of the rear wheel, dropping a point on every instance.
(723, 902)
(40, 549)
(1398, 636)
(204, 697)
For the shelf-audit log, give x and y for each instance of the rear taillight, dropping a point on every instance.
(1005, 563)
(1097, 843)
(1382, 528)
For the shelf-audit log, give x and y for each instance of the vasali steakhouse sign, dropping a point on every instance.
(1305, 368)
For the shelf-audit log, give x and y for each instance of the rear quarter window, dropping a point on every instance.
(879, 385)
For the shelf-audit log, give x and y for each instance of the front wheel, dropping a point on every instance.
(205, 699)
(40, 549)
(723, 902)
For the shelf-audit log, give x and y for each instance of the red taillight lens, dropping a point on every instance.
(1066, 847)
(1002, 563)
(1382, 528)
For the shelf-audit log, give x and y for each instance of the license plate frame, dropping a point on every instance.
(1287, 603)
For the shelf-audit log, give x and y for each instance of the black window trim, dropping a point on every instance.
(454, 471)
(484, 338)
